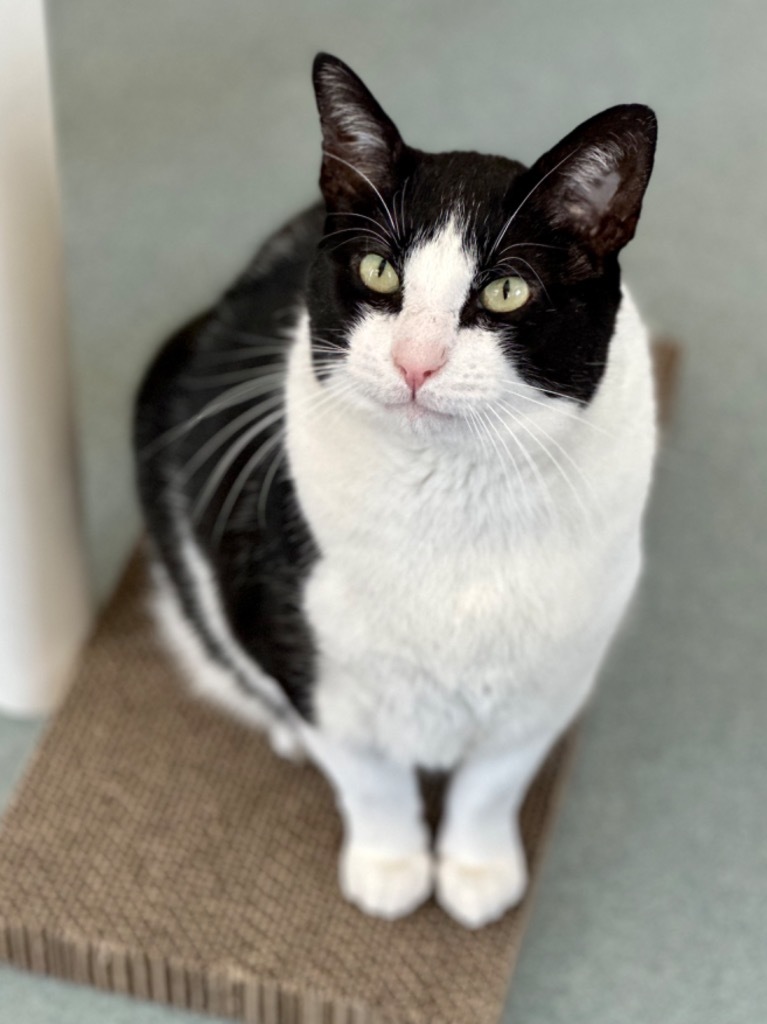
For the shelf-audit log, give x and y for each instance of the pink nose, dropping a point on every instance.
(417, 367)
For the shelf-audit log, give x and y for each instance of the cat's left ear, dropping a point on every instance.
(361, 147)
(592, 183)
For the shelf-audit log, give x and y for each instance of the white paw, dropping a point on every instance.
(286, 742)
(382, 884)
(476, 893)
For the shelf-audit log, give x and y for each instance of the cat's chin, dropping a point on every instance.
(409, 418)
(417, 419)
(415, 412)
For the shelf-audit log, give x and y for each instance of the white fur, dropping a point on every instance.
(450, 608)
(481, 869)
(471, 579)
(385, 867)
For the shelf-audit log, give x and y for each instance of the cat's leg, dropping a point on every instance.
(481, 868)
(385, 866)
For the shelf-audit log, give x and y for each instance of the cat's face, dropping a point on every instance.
(450, 288)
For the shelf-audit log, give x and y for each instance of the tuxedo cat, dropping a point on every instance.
(394, 482)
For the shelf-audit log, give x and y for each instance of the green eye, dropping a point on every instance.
(505, 294)
(378, 274)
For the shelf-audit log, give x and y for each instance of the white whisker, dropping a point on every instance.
(230, 398)
(357, 233)
(565, 454)
(536, 186)
(235, 490)
(556, 408)
(360, 216)
(256, 373)
(522, 491)
(216, 476)
(531, 245)
(365, 178)
(557, 465)
(202, 455)
(544, 489)
(521, 259)
(402, 201)
(263, 497)
(243, 354)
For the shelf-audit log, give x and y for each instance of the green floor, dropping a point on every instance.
(187, 129)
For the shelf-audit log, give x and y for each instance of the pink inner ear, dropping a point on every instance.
(601, 190)
(592, 182)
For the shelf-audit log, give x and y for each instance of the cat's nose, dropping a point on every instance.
(417, 363)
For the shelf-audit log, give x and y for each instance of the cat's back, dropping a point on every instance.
(245, 328)
(217, 495)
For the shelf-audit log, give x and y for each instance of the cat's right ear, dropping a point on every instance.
(361, 147)
(591, 184)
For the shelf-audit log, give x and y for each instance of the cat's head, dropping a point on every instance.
(449, 286)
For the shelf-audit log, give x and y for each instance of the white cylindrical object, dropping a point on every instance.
(44, 605)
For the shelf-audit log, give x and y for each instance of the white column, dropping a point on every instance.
(44, 606)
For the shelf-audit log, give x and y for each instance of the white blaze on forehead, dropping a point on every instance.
(438, 274)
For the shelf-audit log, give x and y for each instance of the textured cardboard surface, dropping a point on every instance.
(159, 849)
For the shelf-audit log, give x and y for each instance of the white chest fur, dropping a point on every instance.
(464, 597)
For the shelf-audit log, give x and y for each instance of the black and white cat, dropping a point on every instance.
(394, 482)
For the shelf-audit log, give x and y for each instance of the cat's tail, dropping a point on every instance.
(215, 682)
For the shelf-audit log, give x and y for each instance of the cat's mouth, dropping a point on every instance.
(416, 411)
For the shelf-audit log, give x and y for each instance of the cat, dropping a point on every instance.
(394, 483)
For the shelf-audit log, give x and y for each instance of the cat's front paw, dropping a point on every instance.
(478, 892)
(382, 884)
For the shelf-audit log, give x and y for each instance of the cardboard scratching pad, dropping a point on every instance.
(160, 849)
